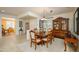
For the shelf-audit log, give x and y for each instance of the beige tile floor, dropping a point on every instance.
(14, 43)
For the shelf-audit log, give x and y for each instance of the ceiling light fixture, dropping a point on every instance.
(44, 15)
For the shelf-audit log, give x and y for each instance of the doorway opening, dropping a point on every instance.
(8, 26)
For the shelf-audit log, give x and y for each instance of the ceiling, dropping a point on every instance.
(37, 10)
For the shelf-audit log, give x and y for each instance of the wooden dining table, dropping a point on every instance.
(41, 34)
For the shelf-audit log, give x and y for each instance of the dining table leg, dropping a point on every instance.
(47, 44)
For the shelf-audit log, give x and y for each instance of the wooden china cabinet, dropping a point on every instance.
(60, 27)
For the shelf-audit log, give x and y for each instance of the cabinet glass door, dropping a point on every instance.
(64, 25)
(56, 25)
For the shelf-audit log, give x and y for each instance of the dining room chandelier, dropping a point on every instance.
(44, 15)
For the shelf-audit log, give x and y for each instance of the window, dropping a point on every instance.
(10, 24)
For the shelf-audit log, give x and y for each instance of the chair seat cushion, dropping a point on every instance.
(37, 40)
(45, 39)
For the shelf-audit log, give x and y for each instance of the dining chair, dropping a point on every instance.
(34, 39)
(48, 38)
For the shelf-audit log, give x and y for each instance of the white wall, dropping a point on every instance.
(31, 22)
(17, 26)
(24, 21)
(34, 23)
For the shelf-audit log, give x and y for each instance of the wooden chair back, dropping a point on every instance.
(49, 35)
(32, 35)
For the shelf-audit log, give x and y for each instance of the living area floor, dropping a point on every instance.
(14, 43)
